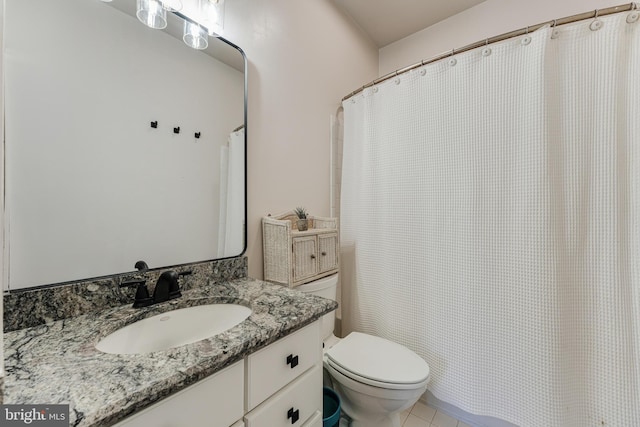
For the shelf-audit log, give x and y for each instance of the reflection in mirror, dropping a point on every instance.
(91, 185)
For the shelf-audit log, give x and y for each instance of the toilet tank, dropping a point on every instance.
(326, 288)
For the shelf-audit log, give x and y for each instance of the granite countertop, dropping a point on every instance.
(57, 363)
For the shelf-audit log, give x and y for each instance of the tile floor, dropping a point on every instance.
(422, 415)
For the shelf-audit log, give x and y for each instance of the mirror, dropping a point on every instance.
(91, 185)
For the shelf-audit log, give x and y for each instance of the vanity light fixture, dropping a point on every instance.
(195, 36)
(172, 5)
(213, 16)
(152, 13)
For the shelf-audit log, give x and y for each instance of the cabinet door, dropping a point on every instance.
(272, 367)
(305, 261)
(292, 405)
(314, 421)
(328, 248)
(216, 401)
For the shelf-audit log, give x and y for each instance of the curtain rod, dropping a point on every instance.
(566, 20)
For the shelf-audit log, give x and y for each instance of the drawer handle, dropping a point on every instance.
(294, 415)
(324, 253)
(313, 256)
(292, 360)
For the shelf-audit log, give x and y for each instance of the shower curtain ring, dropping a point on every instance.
(554, 31)
(486, 51)
(596, 24)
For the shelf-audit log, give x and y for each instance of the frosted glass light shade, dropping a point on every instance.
(151, 13)
(195, 36)
(212, 12)
(172, 5)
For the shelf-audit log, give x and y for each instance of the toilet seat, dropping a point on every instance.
(378, 362)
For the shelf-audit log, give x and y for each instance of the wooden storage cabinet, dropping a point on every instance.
(293, 257)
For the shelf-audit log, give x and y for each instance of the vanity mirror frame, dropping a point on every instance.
(4, 205)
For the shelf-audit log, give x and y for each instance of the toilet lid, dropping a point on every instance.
(377, 359)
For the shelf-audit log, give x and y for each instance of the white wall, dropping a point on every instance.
(488, 19)
(304, 56)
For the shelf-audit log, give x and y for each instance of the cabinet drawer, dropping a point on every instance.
(328, 252)
(271, 368)
(216, 401)
(314, 421)
(293, 405)
(305, 262)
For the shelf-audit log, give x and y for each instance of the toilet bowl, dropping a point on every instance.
(375, 378)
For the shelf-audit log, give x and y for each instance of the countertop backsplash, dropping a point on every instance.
(28, 308)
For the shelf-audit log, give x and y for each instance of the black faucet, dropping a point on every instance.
(167, 287)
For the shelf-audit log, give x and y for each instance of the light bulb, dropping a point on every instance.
(212, 12)
(195, 36)
(152, 14)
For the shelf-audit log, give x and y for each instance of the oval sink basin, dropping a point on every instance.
(174, 329)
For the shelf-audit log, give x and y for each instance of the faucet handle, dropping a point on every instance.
(142, 293)
(142, 296)
(174, 287)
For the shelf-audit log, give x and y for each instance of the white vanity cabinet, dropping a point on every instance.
(216, 401)
(293, 257)
(284, 381)
(277, 386)
(294, 405)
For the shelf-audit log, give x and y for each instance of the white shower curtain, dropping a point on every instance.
(491, 223)
(231, 223)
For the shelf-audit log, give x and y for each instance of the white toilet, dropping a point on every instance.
(375, 378)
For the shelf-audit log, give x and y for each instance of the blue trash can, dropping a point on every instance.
(330, 408)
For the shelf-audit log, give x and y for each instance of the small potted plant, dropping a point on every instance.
(303, 224)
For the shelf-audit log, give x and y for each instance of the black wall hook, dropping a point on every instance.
(176, 130)
(197, 135)
(154, 124)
